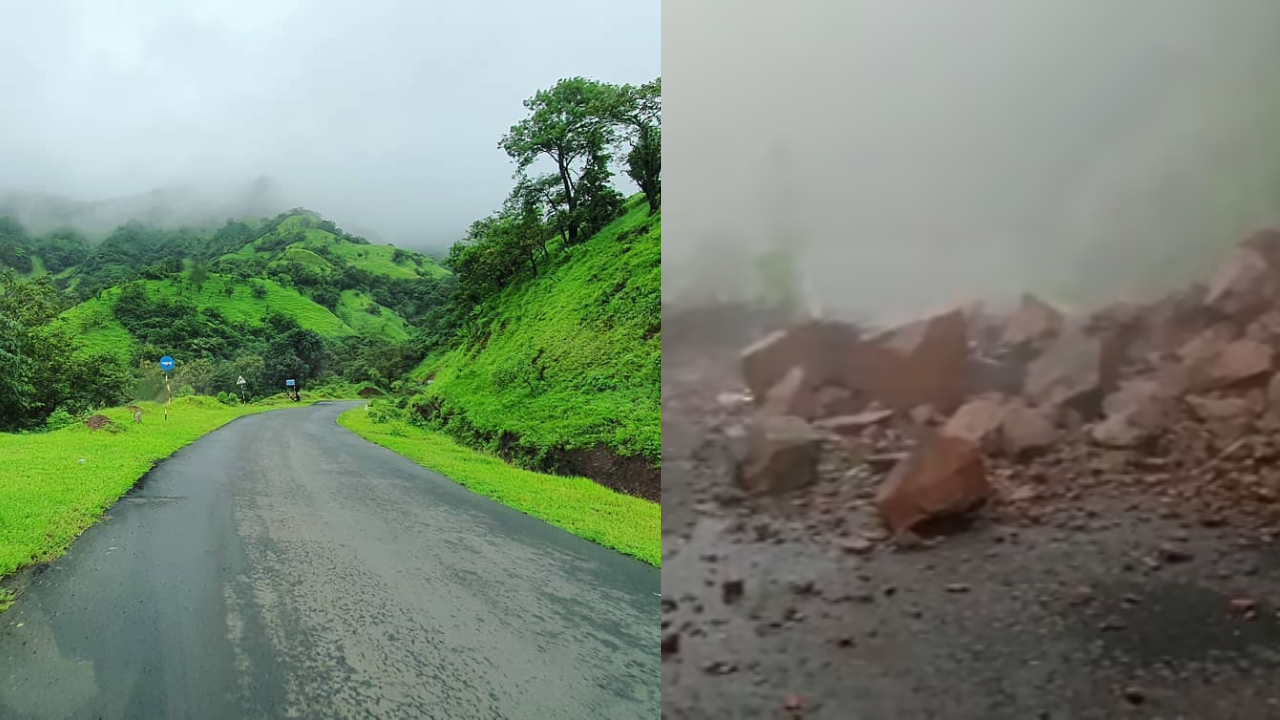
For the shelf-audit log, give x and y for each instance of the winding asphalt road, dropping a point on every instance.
(283, 567)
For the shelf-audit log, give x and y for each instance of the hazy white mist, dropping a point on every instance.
(939, 150)
(383, 115)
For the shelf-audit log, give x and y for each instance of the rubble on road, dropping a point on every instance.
(1179, 397)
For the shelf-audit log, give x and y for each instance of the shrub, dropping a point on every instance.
(59, 418)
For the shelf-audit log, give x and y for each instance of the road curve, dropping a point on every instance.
(284, 567)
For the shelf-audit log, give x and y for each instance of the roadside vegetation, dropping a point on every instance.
(629, 525)
(568, 359)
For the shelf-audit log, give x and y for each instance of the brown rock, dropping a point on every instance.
(1273, 395)
(1025, 430)
(821, 347)
(923, 363)
(1144, 404)
(1243, 283)
(1116, 431)
(1033, 321)
(766, 362)
(833, 401)
(1206, 345)
(782, 454)
(849, 425)
(1077, 370)
(1265, 329)
(978, 421)
(1211, 409)
(793, 395)
(989, 375)
(1237, 363)
(943, 476)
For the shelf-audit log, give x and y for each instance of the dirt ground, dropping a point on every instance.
(1101, 604)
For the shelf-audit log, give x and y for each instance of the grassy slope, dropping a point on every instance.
(48, 497)
(376, 259)
(100, 329)
(353, 310)
(593, 326)
(627, 524)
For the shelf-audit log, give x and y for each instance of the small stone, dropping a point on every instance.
(845, 642)
(1133, 695)
(719, 667)
(793, 703)
(856, 546)
(1171, 554)
(803, 587)
(670, 644)
(732, 590)
(1245, 607)
(1112, 625)
(1079, 595)
(957, 588)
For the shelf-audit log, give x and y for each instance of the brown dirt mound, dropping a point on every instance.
(368, 392)
(98, 422)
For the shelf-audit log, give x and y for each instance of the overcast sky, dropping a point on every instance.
(937, 151)
(376, 113)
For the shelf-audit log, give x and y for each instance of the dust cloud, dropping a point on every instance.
(915, 154)
(383, 115)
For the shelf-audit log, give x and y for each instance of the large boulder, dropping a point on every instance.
(943, 476)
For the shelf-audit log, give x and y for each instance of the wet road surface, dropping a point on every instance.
(284, 567)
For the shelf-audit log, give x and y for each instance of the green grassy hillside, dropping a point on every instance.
(366, 317)
(300, 237)
(568, 360)
(100, 330)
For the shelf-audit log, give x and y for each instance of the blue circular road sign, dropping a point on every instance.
(166, 363)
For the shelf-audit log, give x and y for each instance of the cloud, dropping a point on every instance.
(381, 114)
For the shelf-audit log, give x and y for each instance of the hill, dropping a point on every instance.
(96, 323)
(563, 371)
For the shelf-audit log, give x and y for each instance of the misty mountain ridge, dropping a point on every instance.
(187, 205)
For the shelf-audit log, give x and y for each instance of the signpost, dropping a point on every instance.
(291, 383)
(241, 383)
(166, 366)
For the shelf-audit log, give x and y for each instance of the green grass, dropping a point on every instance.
(37, 269)
(101, 331)
(295, 253)
(48, 497)
(353, 309)
(571, 359)
(377, 259)
(98, 328)
(629, 525)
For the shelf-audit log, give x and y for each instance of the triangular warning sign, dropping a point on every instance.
(240, 380)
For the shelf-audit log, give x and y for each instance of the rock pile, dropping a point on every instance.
(1179, 397)
(98, 422)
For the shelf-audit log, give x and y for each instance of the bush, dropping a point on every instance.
(227, 398)
(59, 418)
(185, 391)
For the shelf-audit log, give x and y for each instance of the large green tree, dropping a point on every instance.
(565, 126)
(637, 111)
